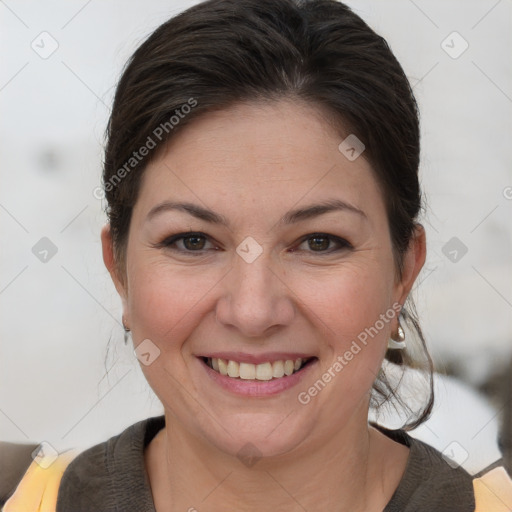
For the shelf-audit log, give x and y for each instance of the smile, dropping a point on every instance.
(263, 371)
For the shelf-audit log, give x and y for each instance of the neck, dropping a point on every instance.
(345, 472)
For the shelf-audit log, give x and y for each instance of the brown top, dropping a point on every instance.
(111, 476)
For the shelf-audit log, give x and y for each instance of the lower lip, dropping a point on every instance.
(257, 387)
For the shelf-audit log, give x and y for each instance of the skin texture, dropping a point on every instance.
(252, 163)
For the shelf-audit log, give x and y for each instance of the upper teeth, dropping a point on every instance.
(262, 371)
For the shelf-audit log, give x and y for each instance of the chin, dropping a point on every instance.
(251, 436)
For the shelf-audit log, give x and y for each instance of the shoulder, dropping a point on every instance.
(15, 458)
(38, 486)
(493, 491)
(111, 475)
(108, 476)
(433, 481)
(488, 490)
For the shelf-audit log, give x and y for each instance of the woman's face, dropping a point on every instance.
(268, 274)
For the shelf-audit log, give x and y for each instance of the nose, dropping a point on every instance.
(255, 299)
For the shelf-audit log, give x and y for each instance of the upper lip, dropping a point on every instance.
(244, 357)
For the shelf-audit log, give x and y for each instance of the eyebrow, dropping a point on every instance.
(290, 217)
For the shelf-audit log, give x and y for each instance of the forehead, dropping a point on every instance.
(270, 155)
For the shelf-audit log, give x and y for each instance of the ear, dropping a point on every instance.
(110, 262)
(413, 262)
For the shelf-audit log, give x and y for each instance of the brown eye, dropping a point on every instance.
(323, 243)
(188, 243)
(319, 243)
(194, 242)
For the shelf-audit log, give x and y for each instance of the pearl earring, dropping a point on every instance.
(398, 342)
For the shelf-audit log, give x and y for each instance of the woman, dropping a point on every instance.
(261, 174)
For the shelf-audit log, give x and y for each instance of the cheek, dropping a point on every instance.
(354, 341)
(165, 302)
(346, 300)
(347, 308)
(166, 305)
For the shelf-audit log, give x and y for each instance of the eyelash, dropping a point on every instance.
(169, 241)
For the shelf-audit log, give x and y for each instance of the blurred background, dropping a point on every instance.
(65, 375)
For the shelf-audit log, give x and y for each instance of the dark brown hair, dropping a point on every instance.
(221, 52)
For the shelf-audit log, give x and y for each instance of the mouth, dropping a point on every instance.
(264, 371)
